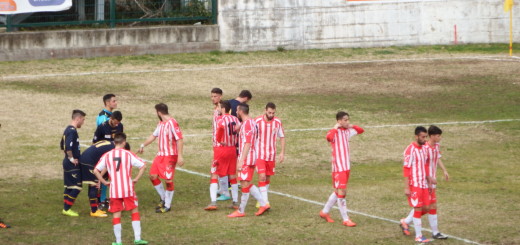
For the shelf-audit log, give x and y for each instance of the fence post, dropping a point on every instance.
(8, 23)
(112, 13)
(214, 11)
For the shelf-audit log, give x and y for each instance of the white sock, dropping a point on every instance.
(160, 189)
(432, 218)
(418, 227)
(224, 185)
(263, 191)
(243, 202)
(234, 192)
(267, 186)
(168, 199)
(117, 232)
(330, 203)
(409, 218)
(256, 194)
(137, 229)
(342, 204)
(213, 188)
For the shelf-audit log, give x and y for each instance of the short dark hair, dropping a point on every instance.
(341, 114)
(162, 108)
(77, 113)
(127, 146)
(243, 107)
(226, 105)
(420, 129)
(119, 138)
(216, 91)
(270, 105)
(245, 94)
(117, 115)
(434, 130)
(107, 98)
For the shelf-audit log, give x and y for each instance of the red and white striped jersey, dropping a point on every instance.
(118, 163)
(226, 130)
(416, 161)
(339, 141)
(434, 154)
(168, 133)
(267, 133)
(216, 118)
(248, 134)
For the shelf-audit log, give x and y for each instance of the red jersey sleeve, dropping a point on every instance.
(406, 171)
(248, 129)
(331, 134)
(358, 129)
(220, 132)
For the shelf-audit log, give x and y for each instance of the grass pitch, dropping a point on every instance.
(479, 203)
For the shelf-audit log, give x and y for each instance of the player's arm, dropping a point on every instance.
(446, 175)
(332, 133)
(70, 138)
(358, 129)
(180, 146)
(407, 170)
(245, 152)
(282, 150)
(146, 142)
(98, 135)
(101, 119)
(220, 133)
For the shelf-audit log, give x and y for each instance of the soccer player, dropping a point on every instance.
(339, 138)
(108, 129)
(225, 157)
(432, 148)
(71, 170)
(417, 182)
(168, 157)
(118, 163)
(269, 128)
(110, 102)
(246, 162)
(216, 95)
(89, 158)
(244, 97)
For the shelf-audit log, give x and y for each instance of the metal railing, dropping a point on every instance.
(115, 13)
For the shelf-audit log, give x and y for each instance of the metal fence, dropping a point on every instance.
(115, 13)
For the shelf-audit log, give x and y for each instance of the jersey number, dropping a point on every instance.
(118, 162)
(232, 128)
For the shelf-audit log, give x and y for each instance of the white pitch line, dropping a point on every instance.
(489, 58)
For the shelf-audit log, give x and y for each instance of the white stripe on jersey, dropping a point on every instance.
(434, 154)
(216, 118)
(168, 133)
(415, 158)
(228, 123)
(248, 133)
(341, 149)
(267, 133)
(118, 163)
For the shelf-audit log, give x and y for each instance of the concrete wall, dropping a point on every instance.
(108, 42)
(302, 24)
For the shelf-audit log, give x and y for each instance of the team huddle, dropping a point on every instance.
(242, 146)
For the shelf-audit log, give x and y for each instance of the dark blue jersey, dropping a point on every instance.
(94, 152)
(234, 104)
(70, 141)
(106, 132)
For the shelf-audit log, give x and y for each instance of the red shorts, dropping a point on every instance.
(433, 196)
(340, 179)
(247, 173)
(266, 167)
(224, 161)
(419, 197)
(164, 167)
(120, 204)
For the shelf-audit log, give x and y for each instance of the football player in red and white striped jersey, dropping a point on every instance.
(339, 138)
(168, 157)
(432, 148)
(225, 157)
(216, 96)
(269, 128)
(417, 181)
(246, 162)
(118, 163)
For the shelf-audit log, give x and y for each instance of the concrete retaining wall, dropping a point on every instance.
(108, 42)
(302, 24)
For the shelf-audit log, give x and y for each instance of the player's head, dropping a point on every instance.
(245, 96)
(161, 109)
(435, 133)
(78, 117)
(127, 146)
(225, 107)
(115, 119)
(343, 119)
(242, 110)
(110, 101)
(270, 110)
(420, 135)
(120, 139)
(216, 95)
